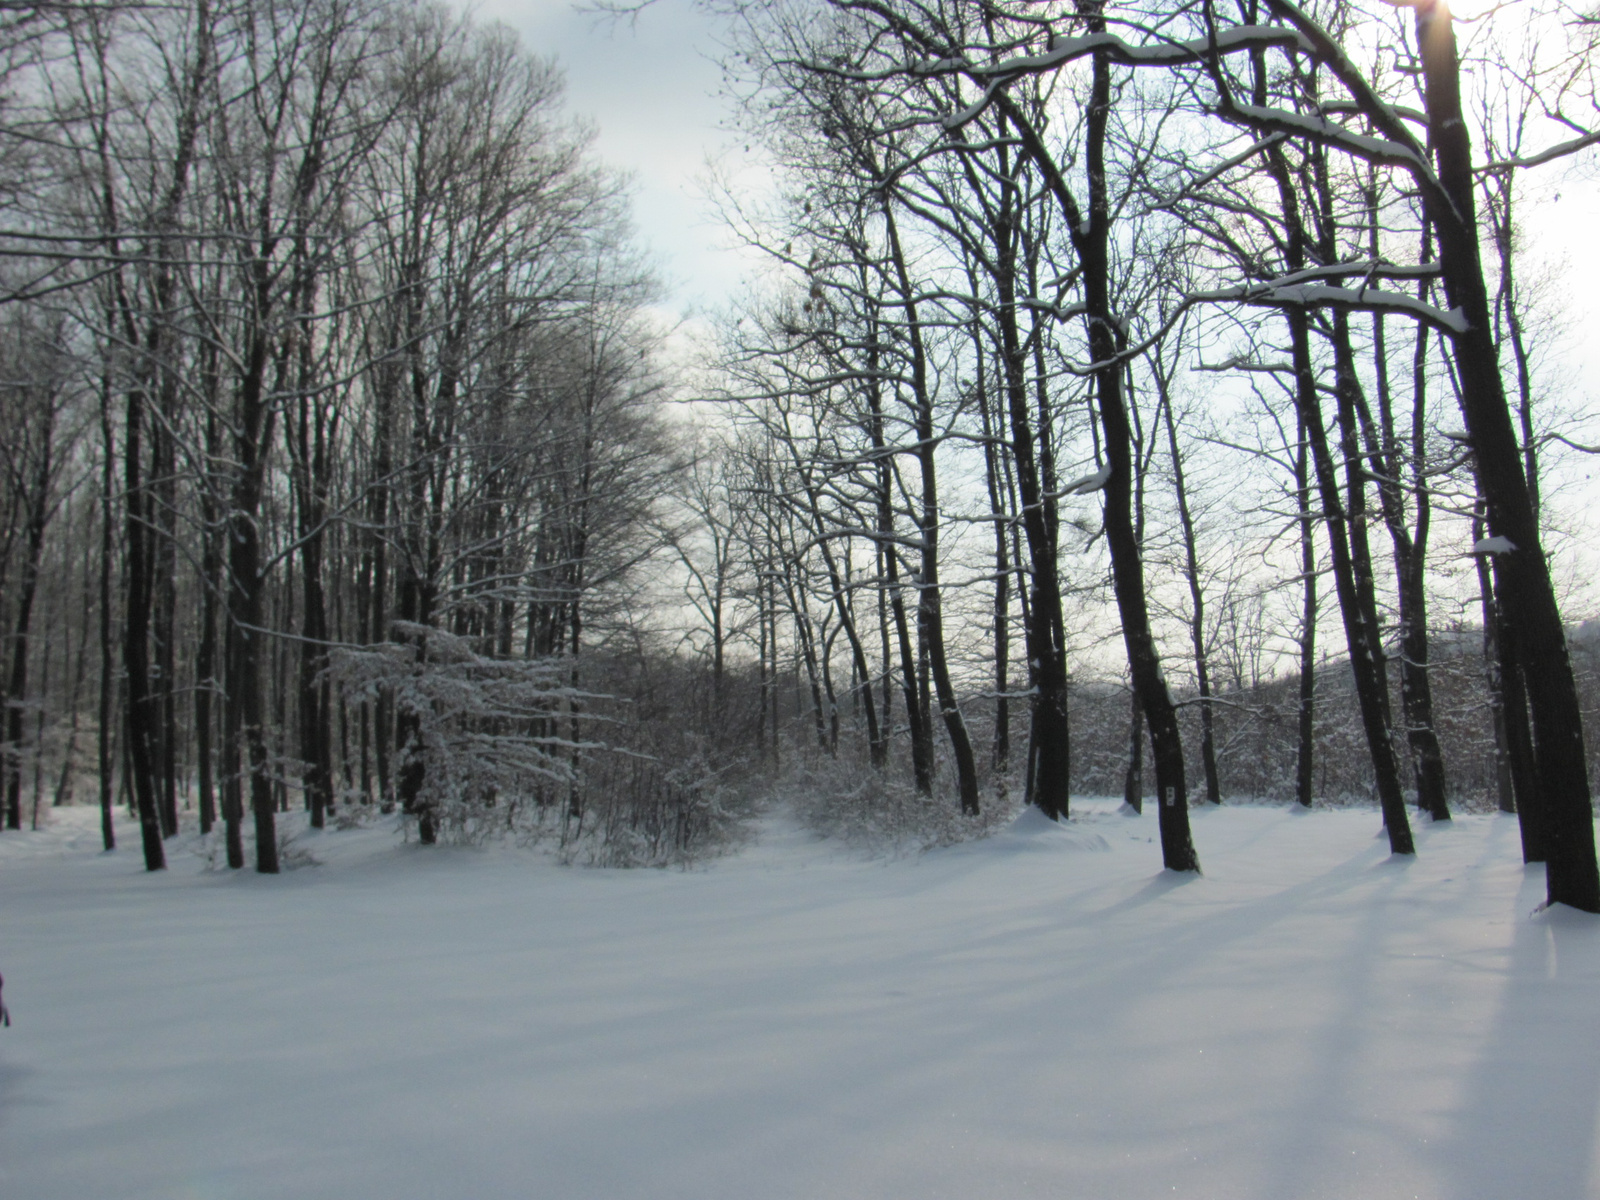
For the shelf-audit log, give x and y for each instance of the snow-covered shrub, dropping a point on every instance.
(352, 816)
(487, 732)
(882, 812)
(647, 811)
(293, 853)
(510, 747)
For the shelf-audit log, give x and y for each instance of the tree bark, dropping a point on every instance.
(1522, 574)
(930, 617)
(1049, 736)
(1197, 611)
(1092, 239)
(1305, 708)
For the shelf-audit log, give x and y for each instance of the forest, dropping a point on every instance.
(1146, 401)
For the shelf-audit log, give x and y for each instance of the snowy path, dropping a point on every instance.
(1044, 1014)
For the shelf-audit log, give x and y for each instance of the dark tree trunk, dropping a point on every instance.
(37, 505)
(1370, 685)
(999, 507)
(1348, 392)
(930, 617)
(211, 584)
(1515, 771)
(107, 706)
(1305, 711)
(415, 606)
(163, 565)
(1410, 551)
(1049, 743)
(246, 643)
(1505, 793)
(883, 493)
(143, 714)
(877, 745)
(1533, 810)
(1522, 574)
(1360, 618)
(1092, 238)
(142, 710)
(308, 452)
(66, 781)
(1197, 610)
(1133, 774)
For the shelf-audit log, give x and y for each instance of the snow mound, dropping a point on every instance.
(1035, 831)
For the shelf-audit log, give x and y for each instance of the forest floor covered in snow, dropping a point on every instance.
(1043, 1013)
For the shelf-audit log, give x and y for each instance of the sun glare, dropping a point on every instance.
(1472, 10)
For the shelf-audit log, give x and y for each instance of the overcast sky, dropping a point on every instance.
(650, 87)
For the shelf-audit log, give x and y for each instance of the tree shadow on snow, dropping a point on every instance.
(1527, 1121)
(1154, 888)
(12, 1081)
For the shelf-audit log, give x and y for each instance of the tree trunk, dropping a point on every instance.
(1305, 710)
(246, 643)
(36, 502)
(1133, 775)
(1410, 551)
(308, 450)
(141, 706)
(1049, 740)
(107, 706)
(1127, 570)
(1505, 794)
(1363, 664)
(930, 618)
(211, 584)
(1522, 574)
(1197, 611)
(1360, 624)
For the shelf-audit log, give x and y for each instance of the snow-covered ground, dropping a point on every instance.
(1043, 1014)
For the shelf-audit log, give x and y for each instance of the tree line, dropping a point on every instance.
(1022, 236)
(1097, 338)
(327, 377)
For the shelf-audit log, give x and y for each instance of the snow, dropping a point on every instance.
(1497, 544)
(1087, 484)
(1156, 53)
(1363, 299)
(1042, 1014)
(1369, 149)
(1062, 51)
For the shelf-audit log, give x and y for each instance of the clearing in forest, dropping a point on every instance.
(1044, 1013)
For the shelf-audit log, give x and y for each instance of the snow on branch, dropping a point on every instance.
(1285, 293)
(1369, 149)
(1244, 362)
(1087, 484)
(501, 751)
(1368, 102)
(1152, 54)
(1370, 268)
(486, 732)
(1062, 51)
(1549, 154)
(1317, 295)
(1493, 545)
